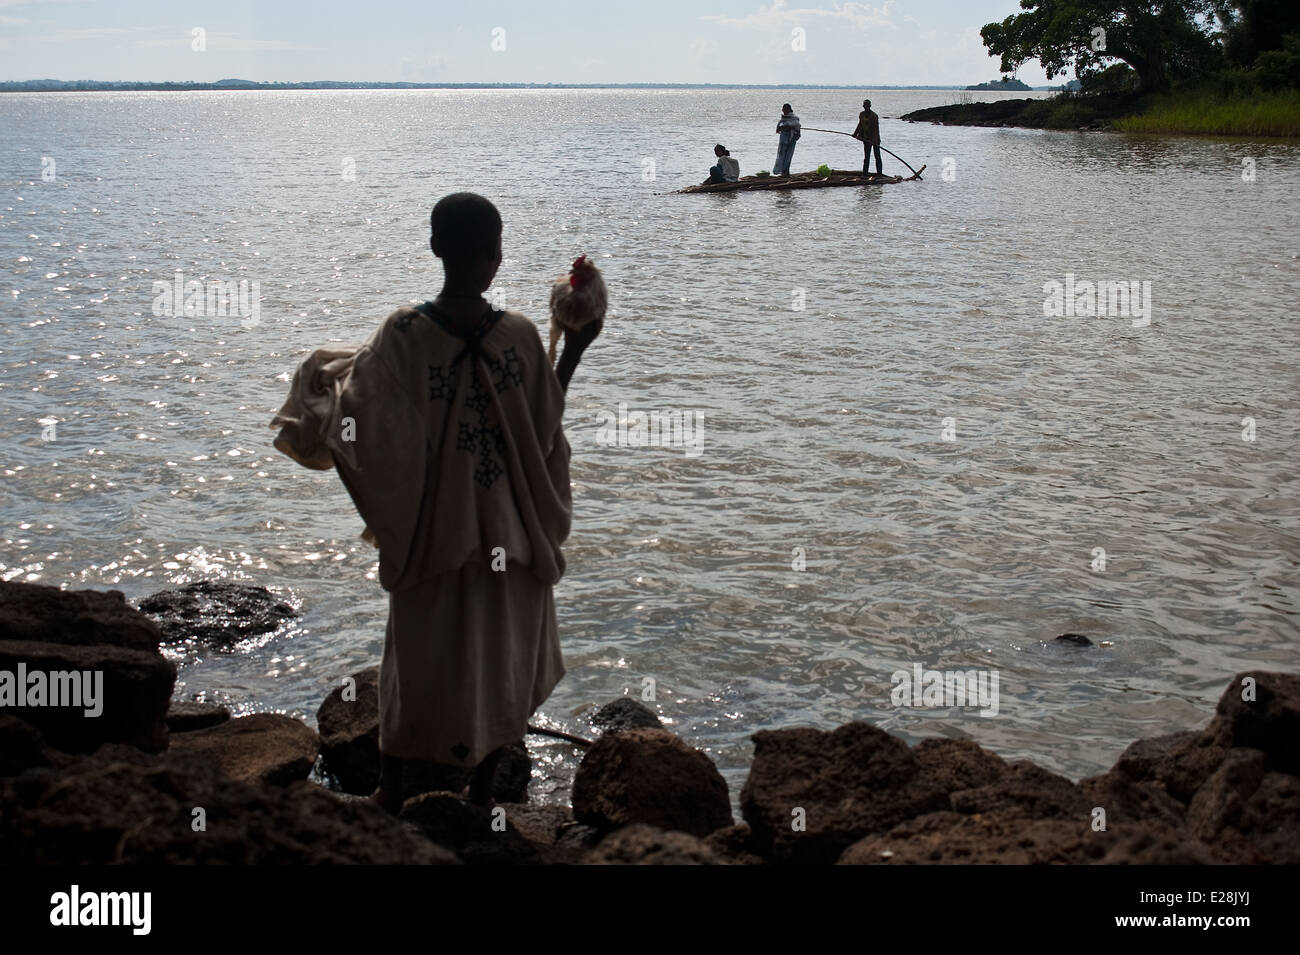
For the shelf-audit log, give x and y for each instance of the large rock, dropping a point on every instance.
(1269, 721)
(123, 806)
(349, 732)
(734, 845)
(1180, 762)
(948, 838)
(1028, 790)
(646, 845)
(73, 617)
(215, 612)
(650, 776)
(185, 716)
(1009, 838)
(1221, 799)
(265, 747)
(956, 764)
(94, 639)
(132, 687)
(811, 793)
(1268, 829)
(20, 746)
(625, 714)
(1126, 800)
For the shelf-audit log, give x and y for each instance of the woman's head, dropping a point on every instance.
(465, 232)
(720, 150)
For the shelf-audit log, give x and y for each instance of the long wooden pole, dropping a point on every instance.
(882, 148)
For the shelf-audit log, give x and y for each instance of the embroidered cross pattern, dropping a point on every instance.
(477, 433)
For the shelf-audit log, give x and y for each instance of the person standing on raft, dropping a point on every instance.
(789, 130)
(868, 131)
(446, 431)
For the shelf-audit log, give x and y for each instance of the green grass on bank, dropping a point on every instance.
(1260, 114)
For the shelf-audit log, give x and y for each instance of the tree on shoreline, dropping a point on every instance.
(1161, 40)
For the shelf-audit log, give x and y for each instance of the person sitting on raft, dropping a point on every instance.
(727, 169)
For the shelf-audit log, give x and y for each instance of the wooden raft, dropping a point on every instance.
(802, 180)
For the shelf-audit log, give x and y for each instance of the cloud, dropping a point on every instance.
(424, 70)
(780, 16)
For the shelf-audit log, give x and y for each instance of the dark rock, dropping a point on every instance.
(650, 776)
(850, 783)
(51, 631)
(20, 746)
(956, 764)
(1269, 722)
(1269, 827)
(551, 830)
(1222, 798)
(646, 845)
(948, 838)
(73, 617)
(1030, 791)
(1008, 838)
(1007, 112)
(1180, 762)
(349, 733)
(1155, 844)
(574, 840)
(136, 688)
(1128, 801)
(477, 835)
(215, 612)
(539, 824)
(185, 716)
(624, 714)
(265, 747)
(124, 806)
(513, 774)
(734, 845)
(1077, 639)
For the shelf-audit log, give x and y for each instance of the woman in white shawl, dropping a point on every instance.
(446, 430)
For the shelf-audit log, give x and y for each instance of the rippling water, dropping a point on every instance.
(823, 427)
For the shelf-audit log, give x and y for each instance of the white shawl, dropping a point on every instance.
(445, 466)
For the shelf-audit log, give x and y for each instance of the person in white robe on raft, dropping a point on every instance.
(445, 428)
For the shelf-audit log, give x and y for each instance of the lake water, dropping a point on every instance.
(824, 431)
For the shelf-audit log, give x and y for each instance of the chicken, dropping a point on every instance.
(577, 299)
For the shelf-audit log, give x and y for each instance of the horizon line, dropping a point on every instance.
(233, 84)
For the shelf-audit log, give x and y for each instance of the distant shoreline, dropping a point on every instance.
(114, 86)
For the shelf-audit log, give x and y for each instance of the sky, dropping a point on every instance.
(895, 42)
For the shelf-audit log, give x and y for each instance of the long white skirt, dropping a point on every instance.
(467, 659)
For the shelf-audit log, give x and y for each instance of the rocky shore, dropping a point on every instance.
(1086, 113)
(152, 780)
